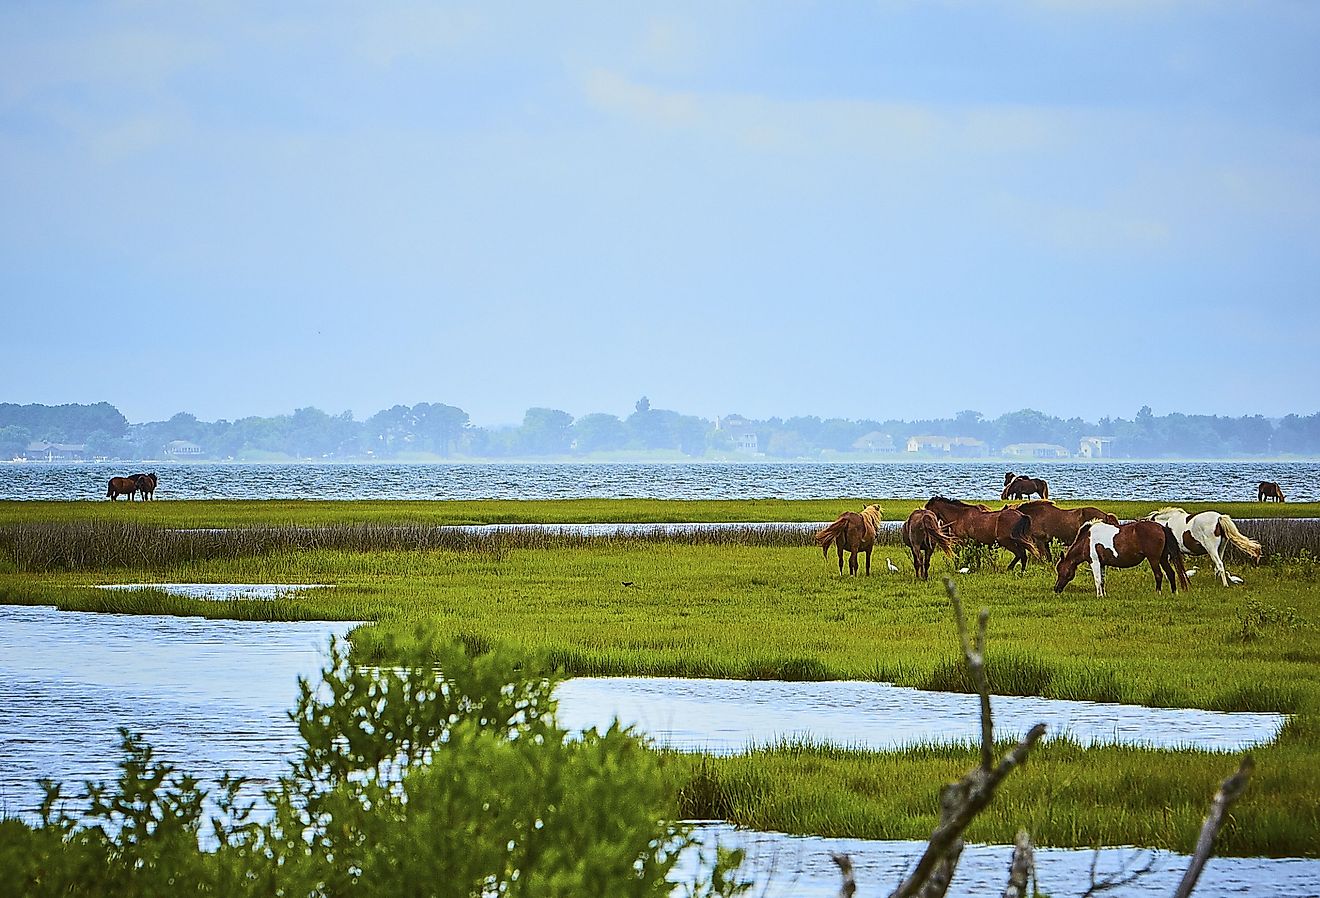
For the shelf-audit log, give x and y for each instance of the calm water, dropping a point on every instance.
(1157, 482)
(725, 716)
(211, 695)
(800, 866)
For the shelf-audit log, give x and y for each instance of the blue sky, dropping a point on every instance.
(861, 210)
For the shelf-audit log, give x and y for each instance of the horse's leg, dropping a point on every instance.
(916, 562)
(1156, 563)
(839, 546)
(852, 563)
(1098, 574)
(1212, 547)
(868, 562)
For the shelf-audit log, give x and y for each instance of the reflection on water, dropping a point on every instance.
(220, 592)
(725, 716)
(1161, 482)
(800, 866)
(210, 695)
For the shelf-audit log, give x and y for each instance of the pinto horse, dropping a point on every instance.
(1017, 487)
(122, 486)
(1126, 545)
(853, 533)
(146, 485)
(923, 534)
(1050, 522)
(1204, 533)
(1007, 528)
(1269, 491)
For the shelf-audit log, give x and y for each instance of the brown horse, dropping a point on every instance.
(122, 486)
(1126, 545)
(1269, 491)
(1050, 522)
(853, 533)
(146, 484)
(1016, 487)
(923, 534)
(1007, 528)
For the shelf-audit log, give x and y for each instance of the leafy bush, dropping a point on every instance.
(446, 776)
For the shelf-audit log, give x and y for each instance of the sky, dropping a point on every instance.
(860, 210)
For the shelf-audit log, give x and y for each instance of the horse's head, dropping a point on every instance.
(1066, 569)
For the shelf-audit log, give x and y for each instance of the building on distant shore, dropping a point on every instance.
(1034, 450)
(182, 448)
(741, 434)
(43, 451)
(1095, 447)
(958, 447)
(875, 441)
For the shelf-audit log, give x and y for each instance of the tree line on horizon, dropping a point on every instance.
(445, 431)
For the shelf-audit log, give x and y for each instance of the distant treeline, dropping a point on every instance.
(444, 431)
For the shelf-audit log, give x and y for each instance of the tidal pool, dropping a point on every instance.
(209, 695)
(726, 716)
(800, 866)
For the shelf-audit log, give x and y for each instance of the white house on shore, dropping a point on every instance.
(1095, 447)
(182, 449)
(962, 447)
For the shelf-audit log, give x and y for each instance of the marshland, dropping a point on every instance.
(757, 602)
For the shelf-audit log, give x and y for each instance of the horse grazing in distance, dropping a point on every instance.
(146, 485)
(1126, 545)
(122, 486)
(1050, 522)
(1017, 487)
(923, 534)
(1008, 528)
(852, 533)
(1269, 491)
(1205, 533)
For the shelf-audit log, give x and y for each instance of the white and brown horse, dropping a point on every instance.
(1205, 533)
(853, 533)
(1127, 545)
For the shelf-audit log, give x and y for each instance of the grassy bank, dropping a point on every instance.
(284, 512)
(733, 609)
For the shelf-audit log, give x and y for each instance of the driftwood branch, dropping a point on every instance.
(1022, 868)
(844, 863)
(1229, 792)
(961, 801)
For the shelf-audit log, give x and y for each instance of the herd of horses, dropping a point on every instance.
(1092, 536)
(133, 483)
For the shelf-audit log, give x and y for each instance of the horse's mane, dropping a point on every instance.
(958, 502)
(873, 514)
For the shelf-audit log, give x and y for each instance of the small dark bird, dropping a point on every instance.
(627, 582)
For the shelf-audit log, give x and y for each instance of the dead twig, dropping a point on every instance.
(1229, 792)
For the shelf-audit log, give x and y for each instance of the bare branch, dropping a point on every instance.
(1021, 868)
(844, 863)
(1229, 792)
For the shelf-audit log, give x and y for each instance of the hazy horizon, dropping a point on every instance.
(899, 211)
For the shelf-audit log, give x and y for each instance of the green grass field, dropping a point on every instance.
(781, 611)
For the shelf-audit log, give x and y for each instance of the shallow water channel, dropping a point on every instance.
(211, 696)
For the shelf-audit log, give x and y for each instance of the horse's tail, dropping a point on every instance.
(1044, 490)
(1235, 536)
(1022, 533)
(828, 535)
(110, 488)
(1172, 554)
(943, 537)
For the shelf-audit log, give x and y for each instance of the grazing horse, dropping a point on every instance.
(853, 533)
(1016, 487)
(122, 486)
(1050, 522)
(923, 534)
(146, 484)
(1204, 533)
(1126, 545)
(1269, 491)
(1008, 527)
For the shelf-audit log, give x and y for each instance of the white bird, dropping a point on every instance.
(1234, 578)
(1191, 571)
(893, 568)
(964, 570)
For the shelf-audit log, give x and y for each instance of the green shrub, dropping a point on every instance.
(447, 775)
